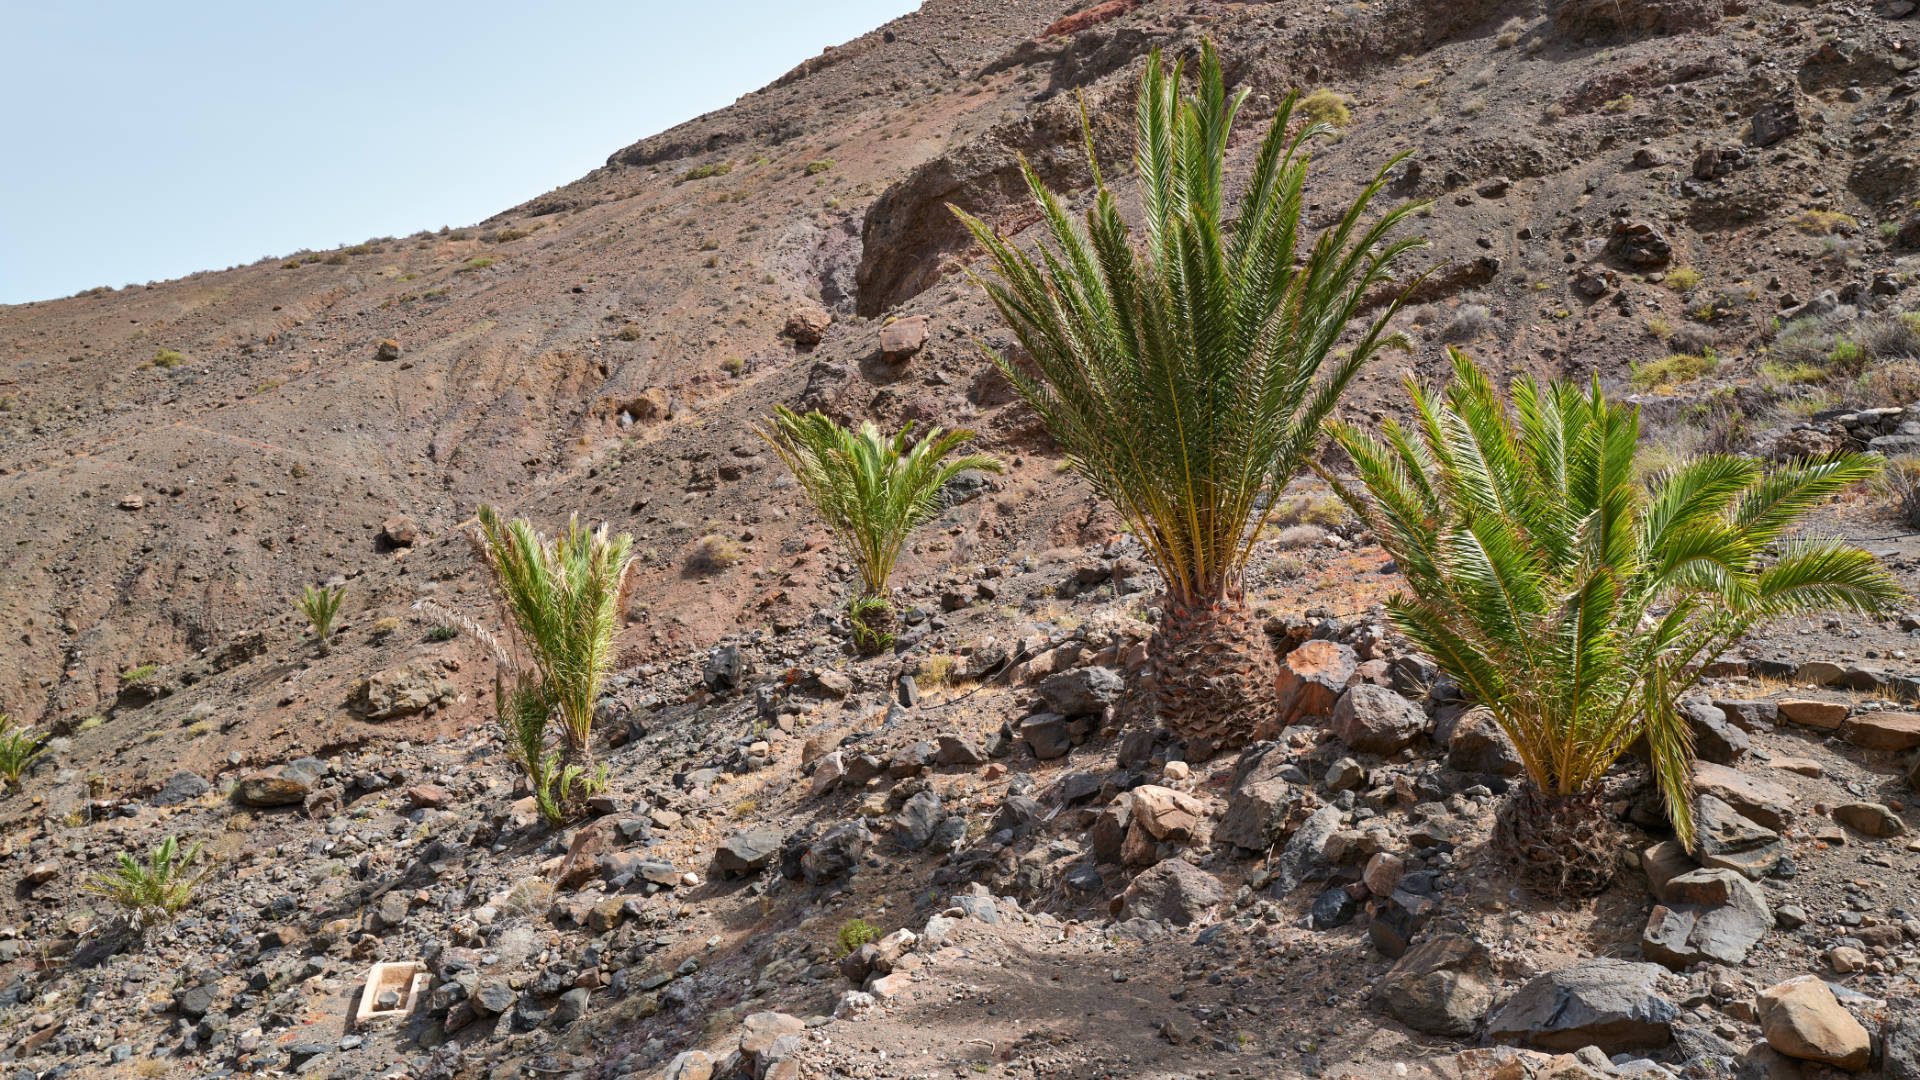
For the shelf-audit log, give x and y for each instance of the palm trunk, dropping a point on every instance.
(1214, 675)
(873, 625)
(1561, 845)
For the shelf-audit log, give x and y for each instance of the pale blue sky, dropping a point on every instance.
(143, 141)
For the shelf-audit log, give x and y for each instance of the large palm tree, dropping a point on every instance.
(1574, 603)
(1188, 378)
(872, 490)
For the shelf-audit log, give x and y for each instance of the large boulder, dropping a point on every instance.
(1175, 891)
(1374, 720)
(1305, 857)
(1312, 678)
(807, 324)
(1613, 1004)
(837, 851)
(1714, 915)
(288, 785)
(1715, 738)
(1167, 814)
(1889, 731)
(1441, 986)
(902, 338)
(1802, 1019)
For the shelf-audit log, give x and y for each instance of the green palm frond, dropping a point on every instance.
(1574, 603)
(562, 598)
(872, 490)
(320, 605)
(1189, 377)
(20, 747)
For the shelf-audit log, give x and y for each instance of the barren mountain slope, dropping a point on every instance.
(1612, 182)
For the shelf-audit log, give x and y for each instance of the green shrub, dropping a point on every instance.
(814, 168)
(701, 172)
(20, 747)
(443, 632)
(1674, 368)
(857, 932)
(152, 892)
(167, 358)
(1323, 106)
(1683, 279)
(138, 674)
(479, 262)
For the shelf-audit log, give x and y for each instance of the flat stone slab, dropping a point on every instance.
(1889, 731)
(1759, 799)
(1826, 715)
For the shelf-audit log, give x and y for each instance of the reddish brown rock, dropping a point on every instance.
(1818, 714)
(902, 338)
(1760, 800)
(807, 325)
(1312, 678)
(429, 796)
(1890, 731)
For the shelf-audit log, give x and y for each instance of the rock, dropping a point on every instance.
(1343, 775)
(759, 1033)
(833, 684)
(1047, 735)
(399, 532)
(1613, 1004)
(285, 786)
(386, 350)
(1748, 716)
(957, 750)
(1332, 908)
(1167, 814)
(827, 773)
(914, 825)
(837, 851)
(428, 797)
(401, 691)
(1399, 918)
(1776, 120)
(1802, 1019)
(1726, 839)
(807, 325)
(571, 1006)
(1710, 914)
(1304, 856)
(902, 338)
(1175, 891)
(1663, 862)
(1260, 804)
(1382, 873)
(1900, 1046)
(1374, 720)
(1477, 745)
(1082, 691)
(1888, 731)
(1639, 244)
(689, 1065)
(1760, 800)
(1312, 678)
(493, 996)
(726, 670)
(181, 787)
(749, 850)
(1819, 714)
(1873, 819)
(1441, 986)
(1715, 739)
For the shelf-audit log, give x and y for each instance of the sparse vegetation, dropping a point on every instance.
(1577, 606)
(1674, 368)
(1324, 106)
(320, 605)
(167, 358)
(443, 632)
(701, 172)
(152, 892)
(713, 553)
(20, 747)
(1824, 222)
(857, 932)
(1621, 104)
(1683, 279)
(1469, 321)
(478, 262)
(872, 491)
(138, 674)
(630, 332)
(815, 168)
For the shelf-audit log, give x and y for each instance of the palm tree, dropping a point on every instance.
(1186, 380)
(1577, 603)
(872, 491)
(20, 747)
(320, 606)
(152, 892)
(562, 598)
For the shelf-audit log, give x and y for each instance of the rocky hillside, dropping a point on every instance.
(1711, 205)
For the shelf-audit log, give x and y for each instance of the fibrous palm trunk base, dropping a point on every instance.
(874, 626)
(1559, 845)
(1214, 676)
